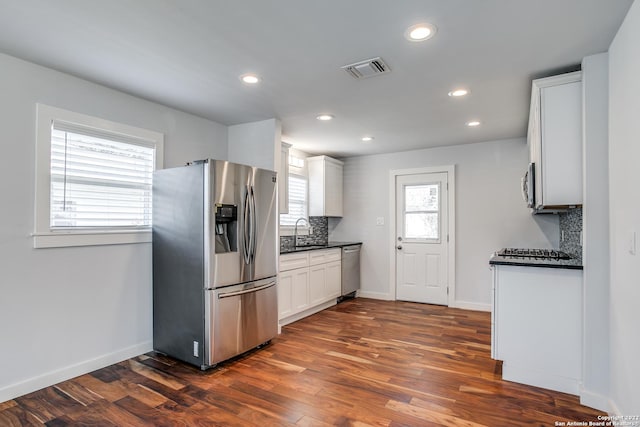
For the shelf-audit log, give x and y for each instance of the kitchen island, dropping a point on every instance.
(537, 321)
(570, 263)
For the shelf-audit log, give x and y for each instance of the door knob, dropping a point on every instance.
(399, 247)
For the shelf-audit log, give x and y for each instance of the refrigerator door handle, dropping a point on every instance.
(246, 291)
(246, 239)
(253, 231)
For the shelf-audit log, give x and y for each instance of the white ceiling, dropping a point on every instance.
(189, 54)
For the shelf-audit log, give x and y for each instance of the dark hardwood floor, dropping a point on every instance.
(363, 362)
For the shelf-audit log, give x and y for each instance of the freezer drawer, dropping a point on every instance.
(242, 317)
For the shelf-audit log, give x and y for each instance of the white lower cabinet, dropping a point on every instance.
(293, 292)
(333, 279)
(317, 279)
(308, 282)
(285, 294)
(537, 326)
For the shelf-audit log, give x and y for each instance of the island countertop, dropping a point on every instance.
(572, 263)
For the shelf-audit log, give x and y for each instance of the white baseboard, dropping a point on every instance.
(595, 400)
(466, 305)
(475, 306)
(375, 295)
(50, 378)
(613, 409)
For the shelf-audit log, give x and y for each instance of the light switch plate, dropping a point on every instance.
(632, 242)
(380, 220)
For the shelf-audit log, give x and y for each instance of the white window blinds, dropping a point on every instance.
(99, 179)
(297, 200)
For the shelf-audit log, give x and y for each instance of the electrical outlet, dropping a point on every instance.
(196, 349)
(380, 220)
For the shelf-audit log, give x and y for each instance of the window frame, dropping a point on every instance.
(436, 240)
(43, 235)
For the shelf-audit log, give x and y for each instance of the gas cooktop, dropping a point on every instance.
(532, 253)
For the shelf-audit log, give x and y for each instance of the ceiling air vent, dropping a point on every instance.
(367, 68)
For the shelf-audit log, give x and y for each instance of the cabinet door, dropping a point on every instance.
(317, 279)
(315, 167)
(318, 257)
(333, 189)
(333, 283)
(293, 261)
(325, 186)
(283, 179)
(285, 293)
(300, 290)
(561, 128)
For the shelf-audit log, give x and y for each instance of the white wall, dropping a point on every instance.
(595, 213)
(256, 144)
(624, 196)
(65, 311)
(490, 212)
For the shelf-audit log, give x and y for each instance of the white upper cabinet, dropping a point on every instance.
(555, 141)
(325, 186)
(283, 179)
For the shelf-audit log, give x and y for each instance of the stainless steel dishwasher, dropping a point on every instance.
(350, 270)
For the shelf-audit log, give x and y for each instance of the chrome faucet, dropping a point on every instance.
(295, 231)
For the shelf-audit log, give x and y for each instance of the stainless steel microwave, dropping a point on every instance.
(528, 185)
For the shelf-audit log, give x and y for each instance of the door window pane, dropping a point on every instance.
(421, 226)
(422, 211)
(421, 198)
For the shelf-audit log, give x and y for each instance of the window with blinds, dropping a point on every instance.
(93, 180)
(99, 179)
(297, 200)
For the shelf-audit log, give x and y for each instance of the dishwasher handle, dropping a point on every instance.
(351, 250)
(246, 291)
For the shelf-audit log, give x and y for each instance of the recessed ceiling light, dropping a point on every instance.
(324, 117)
(250, 79)
(473, 123)
(458, 92)
(367, 138)
(420, 32)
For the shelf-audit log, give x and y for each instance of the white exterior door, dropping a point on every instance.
(422, 238)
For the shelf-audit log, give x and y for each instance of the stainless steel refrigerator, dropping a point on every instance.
(214, 260)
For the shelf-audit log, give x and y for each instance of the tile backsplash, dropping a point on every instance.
(320, 235)
(571, 232)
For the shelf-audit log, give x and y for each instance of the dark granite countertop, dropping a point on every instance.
(291, 249)
(572, 264)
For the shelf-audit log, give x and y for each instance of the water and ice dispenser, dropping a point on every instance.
(226, 228)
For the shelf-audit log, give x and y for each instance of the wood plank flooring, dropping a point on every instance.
(363, 362)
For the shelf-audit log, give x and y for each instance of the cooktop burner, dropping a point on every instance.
(533, 253)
